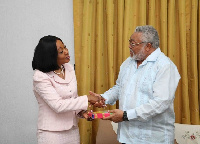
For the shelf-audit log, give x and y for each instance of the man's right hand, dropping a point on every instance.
(93, 99)
(101, 101)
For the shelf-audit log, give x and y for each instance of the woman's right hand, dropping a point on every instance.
(93, 99)
(96, 99)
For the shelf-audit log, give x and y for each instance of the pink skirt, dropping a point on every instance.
(59, 137)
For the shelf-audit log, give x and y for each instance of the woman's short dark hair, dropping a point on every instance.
(45, 55)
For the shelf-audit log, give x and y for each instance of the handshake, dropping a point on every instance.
(96, 100)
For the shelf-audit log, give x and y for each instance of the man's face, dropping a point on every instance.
(137, 47)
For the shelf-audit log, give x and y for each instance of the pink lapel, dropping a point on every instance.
(69, 73)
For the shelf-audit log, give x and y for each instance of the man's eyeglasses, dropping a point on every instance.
(134, 44)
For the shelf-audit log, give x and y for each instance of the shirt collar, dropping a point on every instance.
(154, 55)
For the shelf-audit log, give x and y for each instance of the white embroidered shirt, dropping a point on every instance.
(147, 94)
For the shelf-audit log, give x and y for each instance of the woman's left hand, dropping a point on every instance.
(85, 115)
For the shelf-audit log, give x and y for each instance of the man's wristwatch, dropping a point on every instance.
(125, 118)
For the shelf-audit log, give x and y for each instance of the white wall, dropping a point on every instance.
(22, 24)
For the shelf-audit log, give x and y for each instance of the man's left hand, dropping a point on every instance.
(116, 116)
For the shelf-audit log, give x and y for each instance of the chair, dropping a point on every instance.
(187, 134)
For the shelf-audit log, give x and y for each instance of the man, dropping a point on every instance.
(145, 88)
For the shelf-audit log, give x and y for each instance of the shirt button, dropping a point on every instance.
(70, 91)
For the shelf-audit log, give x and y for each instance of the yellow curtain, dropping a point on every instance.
(102, 29)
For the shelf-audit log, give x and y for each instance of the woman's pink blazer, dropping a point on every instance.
(57, 99)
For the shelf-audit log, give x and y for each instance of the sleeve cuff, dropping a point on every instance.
(104, 96)
(131, 114)
(107, 101)
(85, 104)
(80, 114)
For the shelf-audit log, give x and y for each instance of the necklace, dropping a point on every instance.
(62, 71)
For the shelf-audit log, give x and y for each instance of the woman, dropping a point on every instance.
(55, 88)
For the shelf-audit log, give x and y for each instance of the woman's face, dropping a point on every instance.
(63, 53)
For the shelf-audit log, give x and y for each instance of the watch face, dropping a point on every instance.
(125, 118)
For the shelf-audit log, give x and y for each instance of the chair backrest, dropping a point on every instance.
(187, 134)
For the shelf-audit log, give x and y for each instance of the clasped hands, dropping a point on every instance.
(98, 101)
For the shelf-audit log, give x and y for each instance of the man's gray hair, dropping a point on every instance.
(149, 34)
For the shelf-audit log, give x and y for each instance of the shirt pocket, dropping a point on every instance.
(146, 84)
